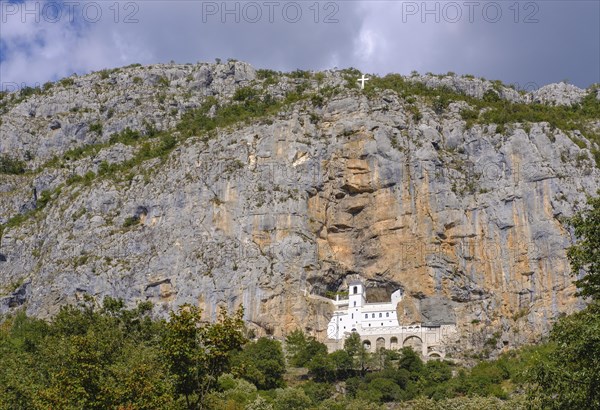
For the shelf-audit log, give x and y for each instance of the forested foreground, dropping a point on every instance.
(113, 358)
(109, 357)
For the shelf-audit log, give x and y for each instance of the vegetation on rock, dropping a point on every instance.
(584, 256)
(96, 357)
(10, 165)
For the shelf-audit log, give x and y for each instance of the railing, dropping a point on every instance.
(395, 329)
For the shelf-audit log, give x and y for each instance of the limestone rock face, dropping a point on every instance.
(62, 118)
(270, 214)
(474, 87)
(559, 94)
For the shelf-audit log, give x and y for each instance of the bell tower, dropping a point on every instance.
(356, 295)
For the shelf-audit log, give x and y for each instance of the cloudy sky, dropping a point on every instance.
(523, 42)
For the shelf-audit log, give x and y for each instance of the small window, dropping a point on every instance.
(366, 316)
(355, 303)
(382, 324)
(352, 315)
(369, 324)
(380, 315)
(387, 314)
(355, 290)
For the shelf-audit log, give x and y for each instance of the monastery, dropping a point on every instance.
(378, 326)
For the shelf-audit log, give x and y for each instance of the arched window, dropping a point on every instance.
(380, 315)
(366, 315)
(387, 314)
(355, 290)
(352, 315)
(372, 315)
(354, 303)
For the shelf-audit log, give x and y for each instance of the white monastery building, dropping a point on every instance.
(378, 326)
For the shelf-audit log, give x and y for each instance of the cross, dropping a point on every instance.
(362, 82)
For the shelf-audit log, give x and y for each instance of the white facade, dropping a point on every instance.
(377, 324)
(356, 315)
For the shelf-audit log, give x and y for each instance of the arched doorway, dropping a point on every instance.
(380, 343)
(413, 341)
(394, 343)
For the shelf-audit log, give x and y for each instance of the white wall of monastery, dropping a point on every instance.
(377, 324)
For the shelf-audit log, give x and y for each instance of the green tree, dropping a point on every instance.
(86, 357)
(399, 376)
(437, 371)
(352, 344)
(322, 368)
(381, 390)
(291, 398)
(349, 404)
(198, 353)
(356, 349)
(261, 363)
(410, 361)
(20, 341)
(317, 392)
(343, 364)
(140, 379)
(301, 348)
(584, 256)
(232, 393)
(260, 403)
(568, 375)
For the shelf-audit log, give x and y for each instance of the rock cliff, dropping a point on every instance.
(269, 211)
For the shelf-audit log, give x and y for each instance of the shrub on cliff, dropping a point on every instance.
(10, 165)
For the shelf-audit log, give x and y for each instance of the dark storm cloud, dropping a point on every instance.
(541, 42)
(538, 42)
(285, 35)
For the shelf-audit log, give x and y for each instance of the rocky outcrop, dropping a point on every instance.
(551, 94)
(559, 94)
(63, 116)
(466, 221)
(15, 298)
(471, 86)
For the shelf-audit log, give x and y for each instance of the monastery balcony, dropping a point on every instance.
(398, 329)
(338, 302)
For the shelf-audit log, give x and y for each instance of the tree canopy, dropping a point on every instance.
(584, 255)
(567, 374)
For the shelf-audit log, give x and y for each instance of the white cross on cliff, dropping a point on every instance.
(362, 82)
